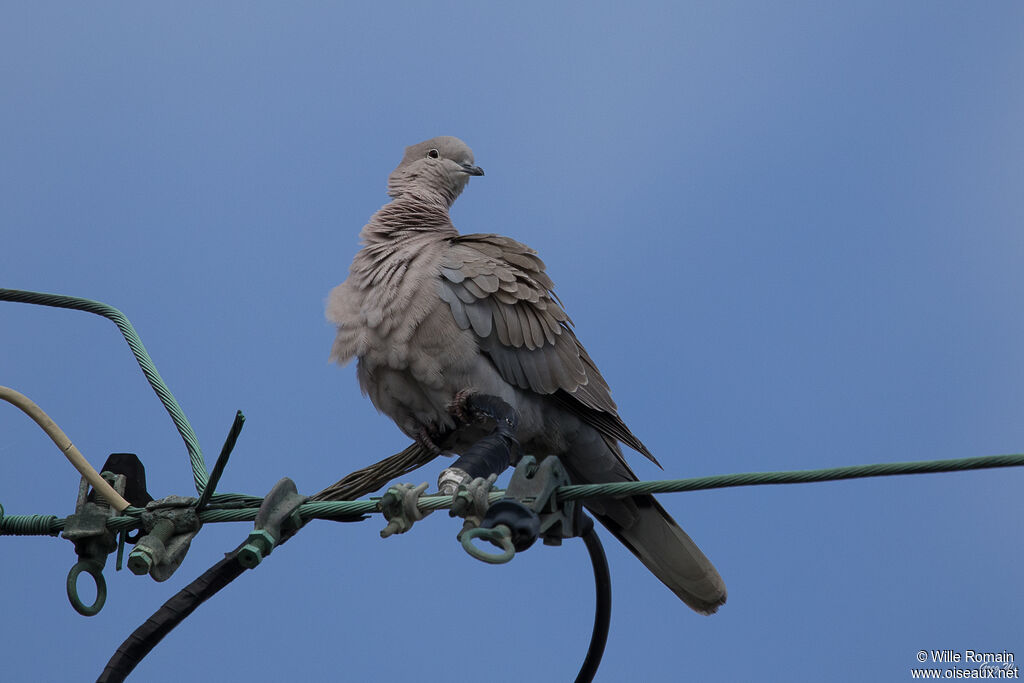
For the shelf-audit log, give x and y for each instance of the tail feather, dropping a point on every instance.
(642, 525)
(665, 549)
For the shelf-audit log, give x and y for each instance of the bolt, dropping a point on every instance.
(140, 561)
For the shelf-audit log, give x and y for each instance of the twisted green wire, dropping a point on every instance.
(887, 469)
(350, 510)
(195, 454)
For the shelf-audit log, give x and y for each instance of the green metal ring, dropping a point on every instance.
(499, 536)
(96, 572)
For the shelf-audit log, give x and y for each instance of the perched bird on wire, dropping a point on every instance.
(433, 316)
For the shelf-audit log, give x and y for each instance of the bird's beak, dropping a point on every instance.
(472, 170)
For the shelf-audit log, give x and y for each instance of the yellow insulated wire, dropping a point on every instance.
(66, 447)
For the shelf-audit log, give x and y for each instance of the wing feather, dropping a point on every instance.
(448, 295)
(480, 316)
(500, 328)
(497, 287)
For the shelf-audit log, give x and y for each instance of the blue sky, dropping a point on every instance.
(789, 234)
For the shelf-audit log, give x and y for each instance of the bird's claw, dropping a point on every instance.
(460, 408)
(468, 407)
(425, 438)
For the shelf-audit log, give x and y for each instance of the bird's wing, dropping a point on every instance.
(497, 287)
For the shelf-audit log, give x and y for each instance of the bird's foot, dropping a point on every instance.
(460, 408)
(425, 437)
(469, 407)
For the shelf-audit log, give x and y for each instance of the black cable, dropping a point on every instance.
(603, 608)
(174, 611)
(222, 461)
(146, 637)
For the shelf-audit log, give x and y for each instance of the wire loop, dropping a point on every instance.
(500, 536)
(94, 570)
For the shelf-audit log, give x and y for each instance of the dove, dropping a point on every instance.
(432, 315)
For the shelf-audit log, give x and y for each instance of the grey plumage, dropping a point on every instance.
(430, 313)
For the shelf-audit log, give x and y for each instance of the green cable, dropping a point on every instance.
(722, 481)
(349, 510)
(195, 454)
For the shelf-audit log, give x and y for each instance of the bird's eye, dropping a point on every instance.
(433, 154)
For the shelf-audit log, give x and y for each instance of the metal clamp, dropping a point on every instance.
(277, 521)
(170, 523)
(529, 510)
(87, 529)
(399, 508)
(470, 502)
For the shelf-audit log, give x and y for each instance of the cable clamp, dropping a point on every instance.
(87, 529)
(276, 522)
(529, 510)
(471, 500)
(399, 508)
(170, 523)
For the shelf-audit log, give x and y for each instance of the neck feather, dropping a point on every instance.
(408, 215)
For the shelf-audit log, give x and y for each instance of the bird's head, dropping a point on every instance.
(439, 167)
